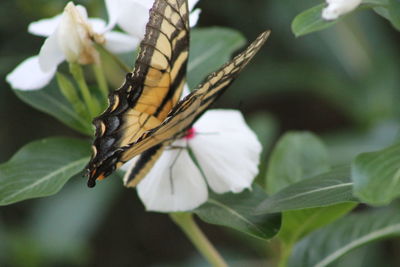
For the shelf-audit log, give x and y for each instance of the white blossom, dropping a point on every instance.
(132, 15)
(70, 36)
(337, 8)
(227, 153)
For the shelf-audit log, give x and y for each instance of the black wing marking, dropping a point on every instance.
(186, 112)
(149, 93)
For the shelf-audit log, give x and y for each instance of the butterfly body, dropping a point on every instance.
(145, 114)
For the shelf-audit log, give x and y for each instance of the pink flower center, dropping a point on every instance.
(190, 134)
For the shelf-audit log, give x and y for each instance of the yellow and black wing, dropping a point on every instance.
(148, 93)
(186, 112)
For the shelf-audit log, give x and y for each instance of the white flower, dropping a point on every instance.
(227, 152)
(337, 8)
(132, 15)
(70, 36)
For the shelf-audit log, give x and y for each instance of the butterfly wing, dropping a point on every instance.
(149, 92)
(193, 105)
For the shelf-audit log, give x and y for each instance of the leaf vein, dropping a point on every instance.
(44, 179)
(237, 214)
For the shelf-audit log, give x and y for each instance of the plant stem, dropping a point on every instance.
(186, 222)
(121, 64)
(69, 91)
(286, 250)
(101, 80)
(77, 73)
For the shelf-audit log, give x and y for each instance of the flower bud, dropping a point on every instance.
(75, 36)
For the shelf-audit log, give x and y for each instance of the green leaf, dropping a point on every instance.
(323, 190)
(266, 128)
(297, 155)
(41, 168)
(210, 48)
(298, 223)
(394, 13)
(326, 245)
(390, 10)
(70, 242)
(371, 3)
(310, 21)
(236, 211)
(52, 102)
(376, 175)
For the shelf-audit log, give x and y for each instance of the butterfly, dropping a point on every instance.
(145, 115)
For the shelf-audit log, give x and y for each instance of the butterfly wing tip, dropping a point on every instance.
(92, 177)
(265, 34)
(91, 183)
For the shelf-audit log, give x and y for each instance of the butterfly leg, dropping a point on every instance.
(180, 149)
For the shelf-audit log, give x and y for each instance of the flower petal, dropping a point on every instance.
(185, 91)
(117, 42)
(114, 8)
(98, 25)
(337, 8)
(75, 35)
(28, 75)
(80, 9)
(192, 3)
(134, 15)
(173, 184)
(194, 17)
(50, 55)
(226, 150)
(44, 27)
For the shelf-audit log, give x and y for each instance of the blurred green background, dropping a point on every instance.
(342, 83)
